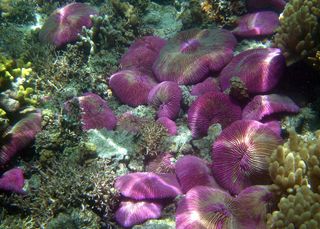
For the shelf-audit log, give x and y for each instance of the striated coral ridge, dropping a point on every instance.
(299, 28)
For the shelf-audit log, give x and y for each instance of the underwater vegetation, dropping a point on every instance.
(159, 114)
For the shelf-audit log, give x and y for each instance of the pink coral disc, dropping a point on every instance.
(166, 98)
(148, 185)
(240, 155)
(132, 212)
(211, 108)
(142, 54)
(95, 113)
(278, 5)
(193, 171)
(131, 87)
(65, 24)
(191, 55)
(210, 208)
(263, 105)
(208, 85)
(259, 69)
(257, 24)
(12, 181)
(20, 136)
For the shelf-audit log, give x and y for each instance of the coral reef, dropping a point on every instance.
(17, 11)
(298, 31)
(299, 210)
(296, 163)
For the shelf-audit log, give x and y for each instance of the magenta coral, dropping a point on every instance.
(148, 185)
(131, 212)
(65, 24)
(169, 125)
(95, 113)
(259, 69)
(131, 87)
(142, 54)
(20, 136)
(257, 24)
(191, 55)
(211, 108)
(193, 171)
(208, 85)
(12, 181)
(206, 207)
(166, 97)
(263, 105)
(163, 163)
(240, 155)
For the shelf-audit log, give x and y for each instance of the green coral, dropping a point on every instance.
(295, 172)
(298, 30)
(17, 11)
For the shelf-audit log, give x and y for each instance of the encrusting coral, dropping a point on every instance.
(299, 25)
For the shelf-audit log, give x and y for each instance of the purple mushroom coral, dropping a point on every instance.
(20, 136)
(263, 105)
(192, 171)
(259, 69)
(240, 155)
(131, 87)
(12, 181)
(65, 24)
(208, 85)
(191, 55)
(166, 97)
(257, 24)
(211, 108)
(95, 113)
(132, 212)
(148, 185)
(142, 54)
(206, 207)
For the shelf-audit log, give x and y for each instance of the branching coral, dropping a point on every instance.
(300, 210)
(223, 12)
(295, 163)
(298, 30)
(315, 60)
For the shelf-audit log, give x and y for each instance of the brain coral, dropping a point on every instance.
(259, 69)
(210, 108)
(240, 155)
(188, 57)
(64, 24)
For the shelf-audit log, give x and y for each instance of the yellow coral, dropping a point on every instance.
(301, 210)
(298, 27)
(315, 61)
(288, 164)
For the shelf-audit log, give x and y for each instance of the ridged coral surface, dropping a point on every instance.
(191, 55)
(211, 108)
(240, 155)
(259, 69)
(65, 24)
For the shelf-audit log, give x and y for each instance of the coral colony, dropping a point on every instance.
(135, 124)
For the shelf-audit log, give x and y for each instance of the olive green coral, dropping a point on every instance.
(296, 163)
(299, 210)
(288, 164)
(299, 26)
